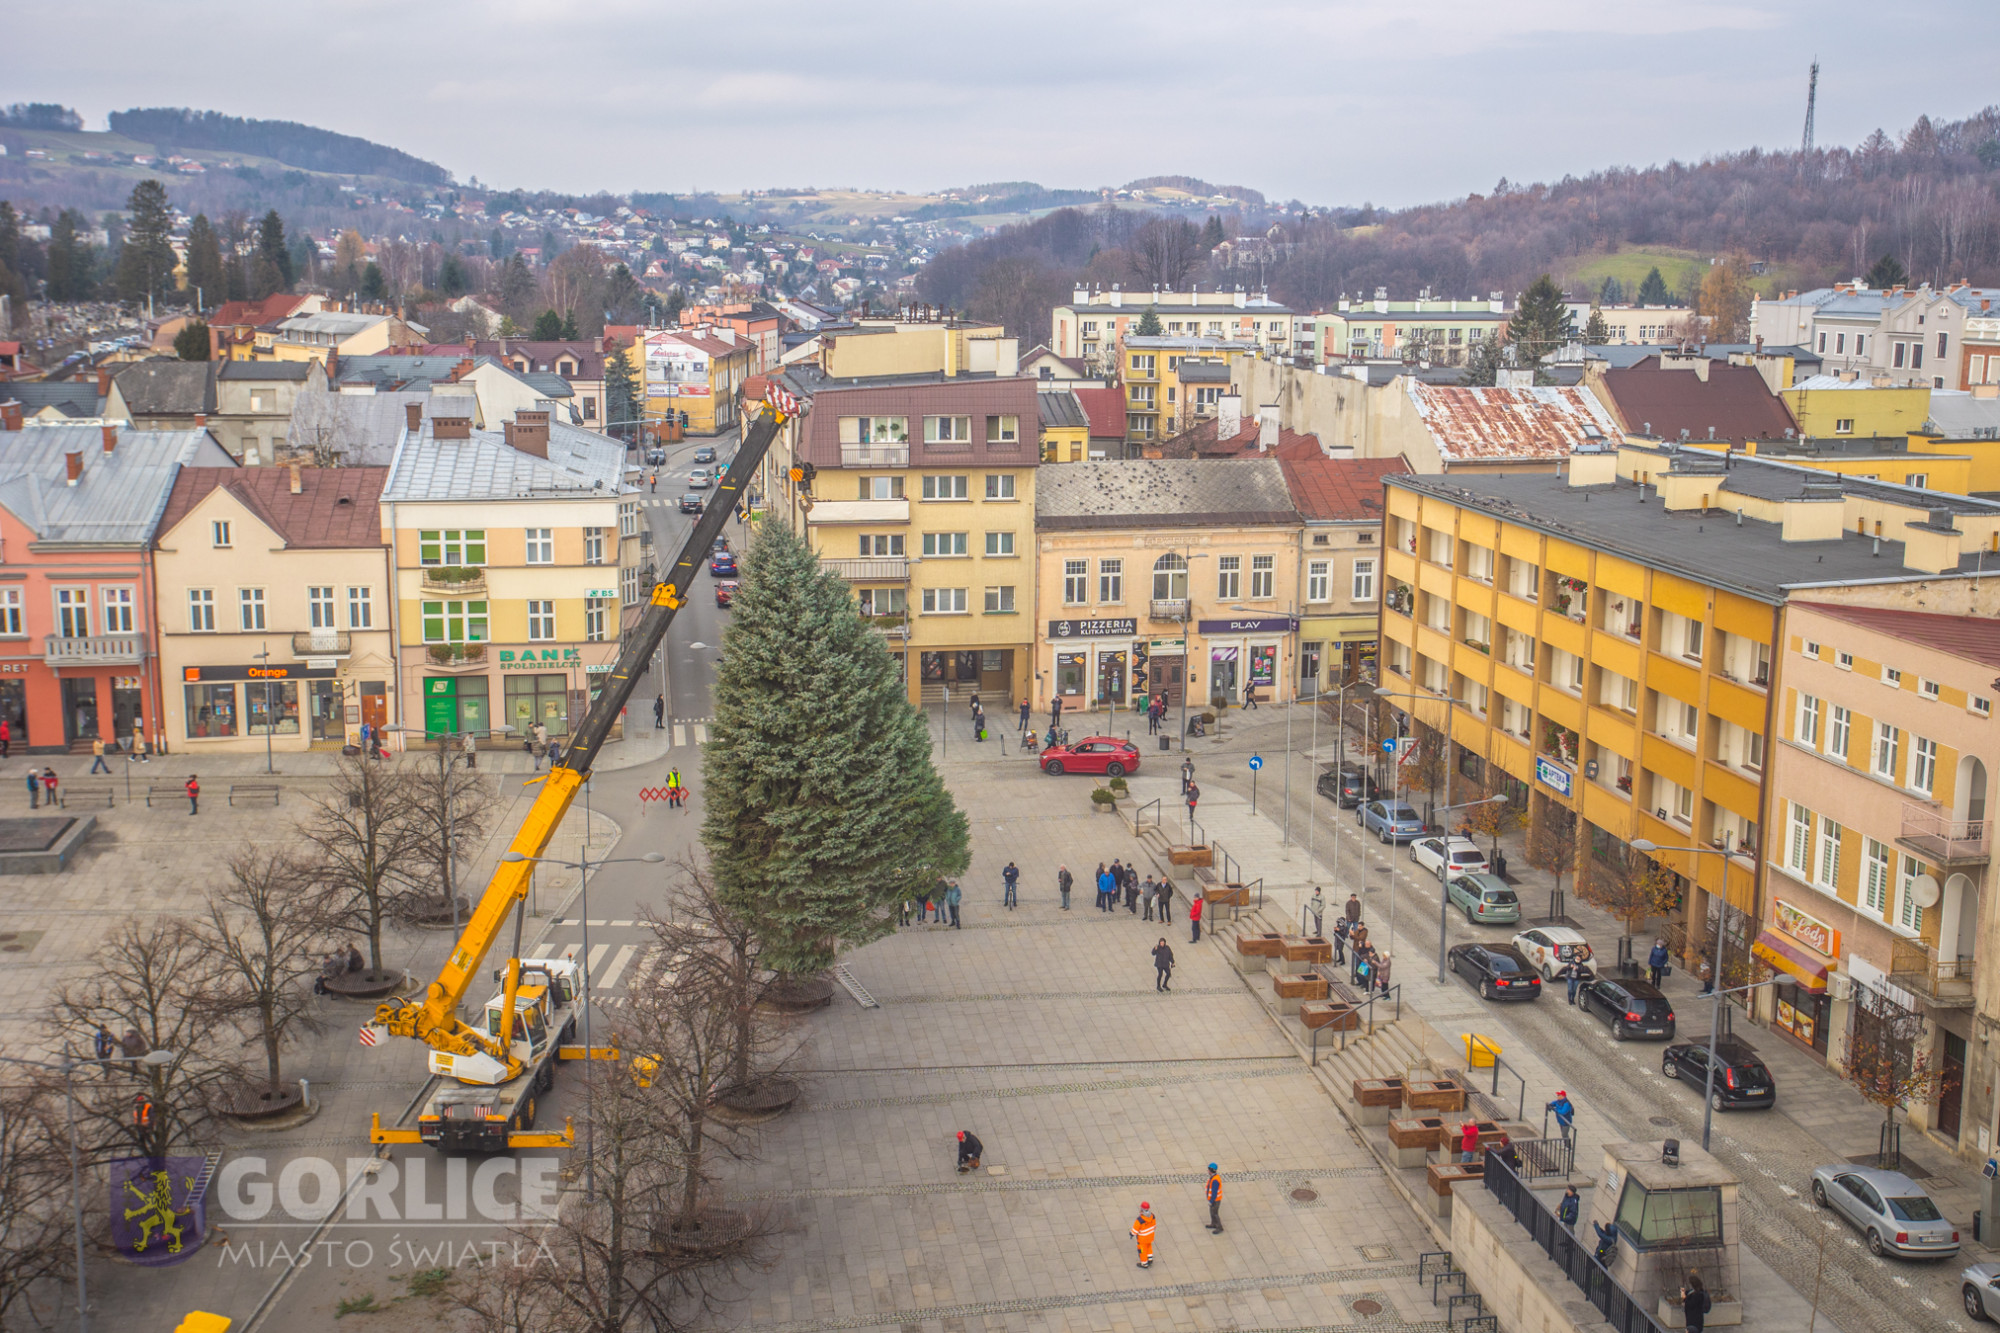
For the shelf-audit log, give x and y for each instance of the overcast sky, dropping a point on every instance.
(1329, 101)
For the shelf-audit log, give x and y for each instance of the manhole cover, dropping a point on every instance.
(1367, 1307)
(1378, 1253)
(1305, 1195)
(1668, 1121)
(13, 948)
(9, 935)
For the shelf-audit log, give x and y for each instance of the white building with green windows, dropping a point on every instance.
(516, 554)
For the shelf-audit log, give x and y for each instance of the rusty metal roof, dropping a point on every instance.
(1477, 425)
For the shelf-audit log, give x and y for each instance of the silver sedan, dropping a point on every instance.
(1894, 1214)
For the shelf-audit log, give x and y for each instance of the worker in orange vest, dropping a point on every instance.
(1142, 1232)
(1214, 1199)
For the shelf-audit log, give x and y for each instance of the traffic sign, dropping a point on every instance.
(1389, 746)
(1256, 762)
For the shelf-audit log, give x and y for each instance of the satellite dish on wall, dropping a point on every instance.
(1925, 891)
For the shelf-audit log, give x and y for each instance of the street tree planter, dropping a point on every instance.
(261, 1101)
(715, 1231)
(364, 985)
(754, 1103)
(1191, 856)
(1260, 946)
(439, 916)
(798, 995)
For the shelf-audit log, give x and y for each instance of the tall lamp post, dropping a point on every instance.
(582, 866)
(1292, 619)
(1444, 895)
(270, 722)
(152, 1060)
(1721, 934)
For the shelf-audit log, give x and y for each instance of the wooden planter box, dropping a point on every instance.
(1375, 1099)
(1329, 1014)
(1190, 856)
(1260, 946)
(1294, 988)
(1307, 949)
(1433, 1095)
(1412, 1141)
(1441, 1177)
(1226, 895)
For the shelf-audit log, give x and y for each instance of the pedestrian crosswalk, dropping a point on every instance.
(695, 729)
(611, 966)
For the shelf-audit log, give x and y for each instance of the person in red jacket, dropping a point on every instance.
(194, 795)
(1194, 917)
(1468, 1142)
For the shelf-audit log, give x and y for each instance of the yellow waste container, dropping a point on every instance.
(199, 1321)
(1480, 1052)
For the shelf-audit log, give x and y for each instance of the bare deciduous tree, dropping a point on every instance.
(453, 809)
(37, 1255)
(265, 926)
(369, 847)
(1163, 251)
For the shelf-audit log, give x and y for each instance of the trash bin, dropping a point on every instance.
(1166, 742)
(1480, 1052)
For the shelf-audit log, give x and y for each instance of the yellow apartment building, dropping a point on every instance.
(1603, 642)
(1850, 404)
(274, 627)
(1095, 323)
(1157, 403)
(1919, 461)
(515, 554)
(923, 498)
(950, 348)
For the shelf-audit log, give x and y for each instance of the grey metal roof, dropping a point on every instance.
(1203, 372)
(1958, 415)
(547, 383)
(1751, 557)
(75, 398)
(296, 371)
(1164, 492)
(397, 369)
(365, 427)
(168, 388)
(1059, 408)
(120, 496)
(485, 467)
(339, 323)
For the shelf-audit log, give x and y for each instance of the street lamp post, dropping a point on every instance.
(582, 866)
(1292, 633)
(1187, 639)
(270, 722)
(151, 1059)
(1715, 980)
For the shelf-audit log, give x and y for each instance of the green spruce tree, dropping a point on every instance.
(1653, 291)
(569, 326)
(1611, 293)
(452, 280)
(1596, 332)
(621, 395)
(10, 237)
(204, 263)
(64, 257)
(823, 809)
(272, 271)
(146, 260)
(235, 235)
(1888, 272)
(548, 327)
(192, 343)
(1483, 360)
(1148, 326)
(1541, 323)
(1211, 234)
(373, 287)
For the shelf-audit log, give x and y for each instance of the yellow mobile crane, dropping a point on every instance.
(500, 1066)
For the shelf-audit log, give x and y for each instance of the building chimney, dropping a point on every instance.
(110, 439)
(298, 482)
(461, 370)
(332, 366)
(10, 415)
(1228, 417)
(201, 421)
(103, 382)
(1267, 428)
(451, 428)
(413, 417)
(529, 432)
(73, 462)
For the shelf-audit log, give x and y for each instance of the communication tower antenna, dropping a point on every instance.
(1812, 96)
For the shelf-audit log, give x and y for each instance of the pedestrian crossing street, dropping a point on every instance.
(691, 728)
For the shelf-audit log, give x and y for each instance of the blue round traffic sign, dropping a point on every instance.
(1256, 762)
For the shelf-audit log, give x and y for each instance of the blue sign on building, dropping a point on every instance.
(1554, 774)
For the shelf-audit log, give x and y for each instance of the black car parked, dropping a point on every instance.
(1348, 786)
(1497, 971)
(1740, 1077)
(1632, 1008)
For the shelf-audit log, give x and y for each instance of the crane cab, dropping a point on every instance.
(545, 1010)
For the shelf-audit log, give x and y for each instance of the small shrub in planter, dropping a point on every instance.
(1102, 798)
(1119, 788)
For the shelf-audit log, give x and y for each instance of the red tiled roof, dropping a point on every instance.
(1332, 489)
(1974, 638)
(1734, 401)
(276, 306)
(1106, 410)
(336, 507)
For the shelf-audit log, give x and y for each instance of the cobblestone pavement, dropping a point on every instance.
(1041, 1031)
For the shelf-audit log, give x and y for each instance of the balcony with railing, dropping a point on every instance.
(455, 580)
(1168, 608)
(1943, 841)
(869, 569)
(321, 643)
(875, 455)
(1942, 983)
(59, 650)
(456, 656)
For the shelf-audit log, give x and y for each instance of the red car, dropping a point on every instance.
(724, 594)
(1093, 754)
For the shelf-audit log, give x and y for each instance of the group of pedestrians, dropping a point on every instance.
(940, 906)
(1367, 966)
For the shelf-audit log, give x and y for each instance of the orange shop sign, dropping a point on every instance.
(1806, 929)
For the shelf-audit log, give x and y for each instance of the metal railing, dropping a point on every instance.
(1491, 1100)
(1915, 966)
(868, 569)
(1941, 838)
(1367, 1008)
(321, 643)
(81, 650)
(1576, 1258)
(1159, 815)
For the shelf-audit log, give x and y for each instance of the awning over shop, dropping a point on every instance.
(1790, 957)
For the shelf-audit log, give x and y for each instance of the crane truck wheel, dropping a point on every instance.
(528, 1114)
(568, 1033)
(545, 1078)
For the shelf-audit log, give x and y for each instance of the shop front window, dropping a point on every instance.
(1111, 678)
(211, 711)
(272, 707)
(1070, 668)
(540, 699)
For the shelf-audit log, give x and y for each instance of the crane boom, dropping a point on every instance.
(434, 1019)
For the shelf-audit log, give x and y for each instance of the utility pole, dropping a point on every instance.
(1812, 97)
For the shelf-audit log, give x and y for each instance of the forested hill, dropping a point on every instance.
(291, 143)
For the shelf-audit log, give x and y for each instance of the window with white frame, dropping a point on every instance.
(117, 603)
(201, 610)
(1229, 577)
(1892, 677)
(541, 620)
(1923, 764)
(999, 543)
(628, 520)
(1844, 660)
(319, 606)
(1805, 729)
(1003, 429)
(947, 430)
(596, 619)
(593, 546)
(628, 584)
(454, 622)
(73, 612)
(1926, 688)
(1875, 877)
(1000, 485)
(881, 543)
(999, 600)
(541, 546)
(451, 546)
(945, 543)
(218, 532)
(1684, 804)
(1076, 582)
(1827, 862)
(250, 601)
(10, 612)
(1364, 581)
(1910, 912)
(1886, 758)
(1319, 581)
(1839, 726)
(1798, 842)
(944, 601)
(1263, 576)
(1111, 580)
(940, 488)
(1979, 705)
(360, 608)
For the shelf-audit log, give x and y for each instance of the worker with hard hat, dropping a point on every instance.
(1142, 1232)
(1214, 1199)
